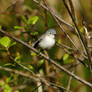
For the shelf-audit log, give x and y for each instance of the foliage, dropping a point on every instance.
(27, 21)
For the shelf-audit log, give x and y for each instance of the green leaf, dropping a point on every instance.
(18, 27)
(33, 54)
(65, 57)
(5, 41)
(18, 58)
(41, 62)
(35, 33)
(1, 83)
(8, 79)
(81, 29)
(0, 27)
(16, 91)
(24, 19)
(7, 88)
(68, 59)
(59, 41)
(8, 64)
(12, 44)
(32, 20)
(30, 67)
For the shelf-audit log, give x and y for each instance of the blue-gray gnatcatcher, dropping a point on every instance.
(47, 40)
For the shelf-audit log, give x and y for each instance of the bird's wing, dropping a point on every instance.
(36, 42)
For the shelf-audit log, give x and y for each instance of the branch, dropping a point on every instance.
(37, 79)
(24, 67)
(56, 19)
(47, 58)
(50, 10)
(59, 18)
(72, 8)
(79, 34)
(13, 3)
(69, 82)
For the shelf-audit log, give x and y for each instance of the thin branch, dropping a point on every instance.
(59, 18)
(50, 10)
(63, 45)
(69, 82)
(53, 14)
(36, 88)
(72, 8)
(52, 84)
(20, 73)
(24, 67)
(36, 79)
(79, 34)
(13, 3)
(64, 48)
(47, 58)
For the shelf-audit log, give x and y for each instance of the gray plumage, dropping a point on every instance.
(47, 40)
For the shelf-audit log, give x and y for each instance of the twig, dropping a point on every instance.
(31, 77)
(46, 64)
(53, 14)
(50, 10)
(40, 89)
(64, 48)
(59, 18)
(79, 34)
(69, 82)
(19, 87)
(47, 58)
(13, 3)
(63, 45)
(36, 88)
(19, 72)
(47, 69)
(24, 67)
(72, 8)
(52, 84)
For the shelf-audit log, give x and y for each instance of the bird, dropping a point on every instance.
(47, 40)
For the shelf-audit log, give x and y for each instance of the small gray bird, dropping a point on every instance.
(47, 40)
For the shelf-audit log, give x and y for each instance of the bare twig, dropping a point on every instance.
(24, 67)
(59, 18)
(20, 73)
(50, 10)
(36, 88)
(53, 14)
(69, 82)
(47, 58)
(79, 34)
(64, 48)
(72, 8)
(36, 78)
(63, 45)
(13, 3)
(47, 69)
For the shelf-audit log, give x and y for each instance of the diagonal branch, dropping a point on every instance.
(79, 34)
(47, 58)
(50, 10)
(72, 8)
(69, 82)
(59, 18)
(56, 19)
(34, 78)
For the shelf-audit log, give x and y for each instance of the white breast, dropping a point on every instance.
(47, 42)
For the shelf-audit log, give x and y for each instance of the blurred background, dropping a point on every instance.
(27, 21)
